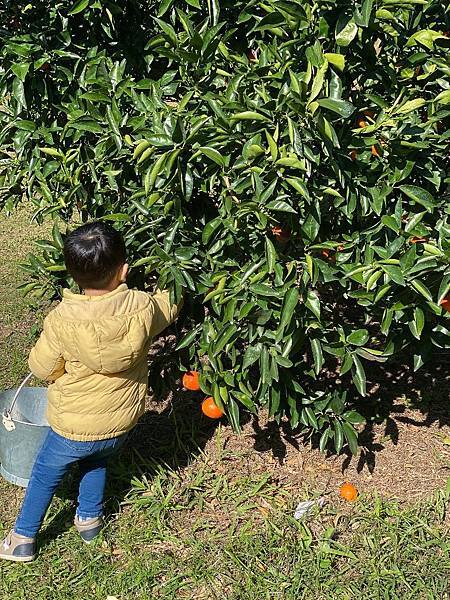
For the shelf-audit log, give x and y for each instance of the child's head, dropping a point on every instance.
(95, 256)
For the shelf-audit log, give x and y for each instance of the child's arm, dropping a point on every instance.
(162, 312)
(46, 361)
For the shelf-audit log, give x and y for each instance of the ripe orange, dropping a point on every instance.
(210, 408)
(375, 151)
(353, 154)
(361, 122)
(328, 255)
(445, 303)
(190, 381)
(348, 492)
(281, 234)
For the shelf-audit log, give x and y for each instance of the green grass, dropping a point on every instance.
(208, 530)
(203, 536)
(16, 318)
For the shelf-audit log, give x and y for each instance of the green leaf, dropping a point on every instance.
(251, 355)
(422, 289)
(359, 376)
(210, 228)
(353, 417)
(351, 437)
(79, 7)
(410, 105)
(224, 337)
(287, 312)
(341, 107)
(280, 206)
(394, 273)
(316, 348)
(271, 255)
(419, 195)
(345, 32)
(318, 82)
(337, 60)
(311, 417)
(164, 7)
(249, 115)
(213, 154)
(359, 337)
(338, 436)
(21, 70)
(188, 339)
(313, 303)
(419, 319)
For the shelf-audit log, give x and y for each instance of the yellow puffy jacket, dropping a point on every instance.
(94, 349)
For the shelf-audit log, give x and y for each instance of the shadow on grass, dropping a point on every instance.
(174, 436)
(395, 389)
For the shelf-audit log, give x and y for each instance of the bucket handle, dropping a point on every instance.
(7, 420)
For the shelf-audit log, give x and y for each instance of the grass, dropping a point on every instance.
(202, 529)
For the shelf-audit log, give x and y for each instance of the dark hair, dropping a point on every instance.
(93, 253)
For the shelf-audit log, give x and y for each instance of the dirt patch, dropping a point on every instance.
(405, 443)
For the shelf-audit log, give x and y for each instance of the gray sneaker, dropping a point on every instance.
(89, 529)
(18, 548)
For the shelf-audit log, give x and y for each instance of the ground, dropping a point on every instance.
(195, 511)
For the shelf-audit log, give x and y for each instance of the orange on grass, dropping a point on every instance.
(190, 381)
(348, 492)
(210, 408)
(281, 234)
(445, 303)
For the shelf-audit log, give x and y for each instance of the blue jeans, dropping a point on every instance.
(53, 461)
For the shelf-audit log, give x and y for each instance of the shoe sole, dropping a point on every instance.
(22, 559)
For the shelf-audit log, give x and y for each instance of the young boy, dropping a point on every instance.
(94, 351)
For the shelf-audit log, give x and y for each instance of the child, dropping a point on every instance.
(94, 349)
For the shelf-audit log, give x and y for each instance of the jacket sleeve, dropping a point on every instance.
(161, 312)
(46, 361)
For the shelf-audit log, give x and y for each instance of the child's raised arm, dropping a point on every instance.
(162, 313)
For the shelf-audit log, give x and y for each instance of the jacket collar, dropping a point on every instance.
(68, 295)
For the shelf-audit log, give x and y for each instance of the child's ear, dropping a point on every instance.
(124, 272)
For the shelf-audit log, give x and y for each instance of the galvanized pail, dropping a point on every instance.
(22, 431)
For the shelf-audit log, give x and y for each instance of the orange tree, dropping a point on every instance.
(284, 162)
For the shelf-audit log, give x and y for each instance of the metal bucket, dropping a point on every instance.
(22, 432)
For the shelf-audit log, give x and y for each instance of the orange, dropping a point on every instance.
(445, 303)
(327, 254)
(281, 234)
(353, 155)
(210, 408)
(190, 381)
(361, 122)
(348, 492)
(375, 151)
(417, 240)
